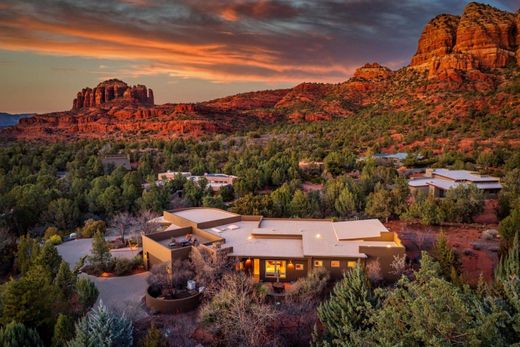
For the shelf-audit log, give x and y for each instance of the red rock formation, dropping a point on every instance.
(483, 37)
(437, 39)
(373, 71)
(112, 91)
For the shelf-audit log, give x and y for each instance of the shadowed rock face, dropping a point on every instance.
(112, 90)
(483, 37)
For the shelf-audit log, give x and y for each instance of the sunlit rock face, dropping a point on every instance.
(482, 38)
(112, 90)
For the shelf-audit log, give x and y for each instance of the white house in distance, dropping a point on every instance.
(215, 180)
(437, 181)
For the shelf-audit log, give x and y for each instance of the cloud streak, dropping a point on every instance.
(239, 40)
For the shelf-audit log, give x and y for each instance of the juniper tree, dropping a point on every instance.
(87, 292)
(345, 316)
(447, 259)
(63, 331)
(103, 328)
(65, 281)
(18, 335)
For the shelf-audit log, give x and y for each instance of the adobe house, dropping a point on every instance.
(437, 182)
(272, 248)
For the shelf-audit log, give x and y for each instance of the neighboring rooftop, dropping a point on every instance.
(201, 215)
(464, 175)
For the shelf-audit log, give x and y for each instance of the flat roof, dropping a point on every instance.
(201, 215)
(358, 229)
(464, 175)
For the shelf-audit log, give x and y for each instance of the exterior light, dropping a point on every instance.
(318, 236)
(250, 237)
(388, 246)
(290, 266)
(248, 263)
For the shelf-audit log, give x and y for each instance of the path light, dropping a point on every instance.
(290, 266)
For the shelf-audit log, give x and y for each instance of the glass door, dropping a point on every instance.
(275, 268)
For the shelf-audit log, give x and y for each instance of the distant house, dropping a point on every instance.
(215, 180)
(271, 249)
(393, 158)
(438, 181)
(309, 165)
(115, 161)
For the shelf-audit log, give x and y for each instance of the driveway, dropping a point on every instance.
(122, 293)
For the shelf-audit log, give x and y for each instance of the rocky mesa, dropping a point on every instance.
(464, 65)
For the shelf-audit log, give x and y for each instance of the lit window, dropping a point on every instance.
(274, 268)
(351, 263)
(335, 263)
(299, 267)
(318, 263)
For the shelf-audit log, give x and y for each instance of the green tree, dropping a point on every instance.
(345, 204)
(447, 259)
(509, 227)
(347, 313)
(63, 213)
(379, 204)
(103, 328)
(100, 257)
(281, 199)
(462, 203)
(299, 205)
(49, 258)
(213, 201)
(18, 335)
(28, 250)
(65, 281)
(92, 227)
(87, 292)
(63, 331)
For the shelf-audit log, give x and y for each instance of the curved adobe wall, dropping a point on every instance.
(172, 306)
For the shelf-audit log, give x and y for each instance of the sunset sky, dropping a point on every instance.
(190, 50)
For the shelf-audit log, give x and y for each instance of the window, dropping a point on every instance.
(351, 263)
(318, 263)
(274, 268)
(335, 263)
(299, 267)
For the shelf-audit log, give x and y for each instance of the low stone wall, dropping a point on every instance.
(174, 305)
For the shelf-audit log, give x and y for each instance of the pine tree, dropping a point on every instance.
(446, 258)
(100, 255)
(65, 281)
(346, 203)
(379, 204)
(103, 328)
(18, 335)
(28, 250)
(87, 292)
(346, 314)
(49, 258)
(63, 331)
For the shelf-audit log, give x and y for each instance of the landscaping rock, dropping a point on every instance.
(489, 234)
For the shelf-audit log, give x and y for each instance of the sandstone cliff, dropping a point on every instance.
(482, 38)
(112, 90)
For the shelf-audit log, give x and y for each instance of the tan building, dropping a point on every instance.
(215, 181)
(272, 248)
(437, 182)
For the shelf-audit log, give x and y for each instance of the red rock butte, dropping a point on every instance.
(113, 90)
(482, 38)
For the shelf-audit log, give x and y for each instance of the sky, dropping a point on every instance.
(195, 50)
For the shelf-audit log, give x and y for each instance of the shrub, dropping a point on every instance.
(154, 338)
(122, 266)
(18, 335)
(101, 327)
(49, 232)
(55, 240)
(92, 227)
(87, 292)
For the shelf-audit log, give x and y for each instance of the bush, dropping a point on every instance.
(122, 266)
(50, 232)
(92, 226)
(55, 240)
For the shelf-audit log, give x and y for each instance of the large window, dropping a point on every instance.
(335, 263)
(274, 267)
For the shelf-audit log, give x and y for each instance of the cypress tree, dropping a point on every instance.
(346, 314)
